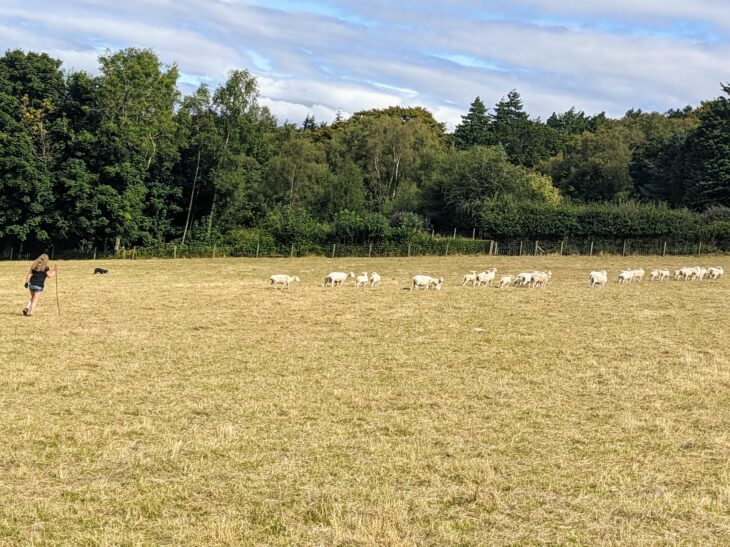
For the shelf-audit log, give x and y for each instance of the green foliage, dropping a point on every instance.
(121, 159)
(475, 127)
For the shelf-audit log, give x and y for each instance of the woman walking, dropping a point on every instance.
(35, 281)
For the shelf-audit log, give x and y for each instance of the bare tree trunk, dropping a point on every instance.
(215, 189)
(192, 195)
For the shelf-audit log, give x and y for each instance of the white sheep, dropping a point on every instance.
(540, 279)
(283, 280)
(523, 279)
(664, 274)
(638, 275)
(486, 277)
(361, 280)
(654, 275)
(336, 278)
(686, 273)
(471, 277)
(426, 282)
(598, 279)
(715, 272)
(374, 279)
(506, 280)
(625, 276)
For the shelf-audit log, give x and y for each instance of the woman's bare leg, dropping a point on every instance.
(33, 302)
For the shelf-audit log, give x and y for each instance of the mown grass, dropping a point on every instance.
(185, 402)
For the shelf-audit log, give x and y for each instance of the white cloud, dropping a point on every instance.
(328, 55)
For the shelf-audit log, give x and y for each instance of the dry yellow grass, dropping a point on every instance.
(185, 402)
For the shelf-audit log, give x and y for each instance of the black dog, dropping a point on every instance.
(100, 271)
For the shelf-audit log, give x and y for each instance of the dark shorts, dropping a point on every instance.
(35, 288)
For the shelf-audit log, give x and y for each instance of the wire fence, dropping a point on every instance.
(435, 246)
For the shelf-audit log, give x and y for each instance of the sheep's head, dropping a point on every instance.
(351, 274)
(296, 278)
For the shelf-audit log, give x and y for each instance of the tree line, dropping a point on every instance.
(122, 158)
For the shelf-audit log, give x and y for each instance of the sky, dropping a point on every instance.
(323, 56)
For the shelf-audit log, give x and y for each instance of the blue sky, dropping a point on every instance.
(321, 56)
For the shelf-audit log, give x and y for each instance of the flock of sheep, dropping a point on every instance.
(536, 279)
(697, 273)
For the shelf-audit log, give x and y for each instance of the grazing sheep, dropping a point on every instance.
(283, 280)
(374, 279)
(486, 277)
(361, 280)
(506, 280)
(336, 278)
(664, 274)
(598, 279)
(426, 282)
(716, 272)
(471, 277)
(638, 275)
(654, 275)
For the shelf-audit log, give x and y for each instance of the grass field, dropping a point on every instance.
(185, 402)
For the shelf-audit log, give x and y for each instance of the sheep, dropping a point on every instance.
(664, 274)
(638, 275)
(426, 282)
(486, 277)
(523, 279)
(361, 280)
(283, 280)
(654, 275)
(715, 272)
(336, 278)
(471, 277)
(540, 279)
(598, 279)
(374, 279)
(625, 276)
(506, 280)
(686, 273)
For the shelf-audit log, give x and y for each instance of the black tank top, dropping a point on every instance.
(38, 279)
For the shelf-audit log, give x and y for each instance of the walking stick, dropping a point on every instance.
(58, 302)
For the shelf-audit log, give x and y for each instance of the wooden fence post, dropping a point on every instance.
(664, 251)
(491, 246)
(11, 252)
(561, 247)
(454, 233)
(257, 249)
(447, 249)
(590, 253)
(334, 246)
(624, 248)
(214, 246)
(473, 233)
(699, 248)
(496, 248)
(536, 247)
(291, 252)
(370, 251)
(94, 253)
